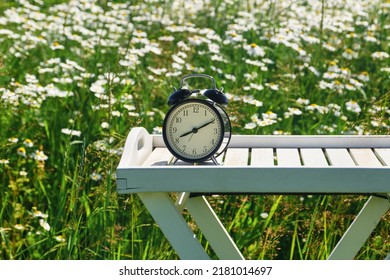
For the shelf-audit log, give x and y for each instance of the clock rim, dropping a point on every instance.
(220, 141)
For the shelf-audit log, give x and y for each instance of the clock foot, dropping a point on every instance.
(214, 160)
(172, 161)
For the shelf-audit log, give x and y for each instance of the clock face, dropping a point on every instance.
(193, 130)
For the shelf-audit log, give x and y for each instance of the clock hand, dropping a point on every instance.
(195, 129)
(206, 124)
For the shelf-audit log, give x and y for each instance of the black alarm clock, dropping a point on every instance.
(197, 129)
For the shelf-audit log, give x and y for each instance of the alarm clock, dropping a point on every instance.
(197, 129)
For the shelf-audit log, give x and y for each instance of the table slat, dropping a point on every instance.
(236, 157)
(339, 157)
(310, 141)
(383, 155)
(288, 157)
(262, 157)
(313, 157)
(365, 157)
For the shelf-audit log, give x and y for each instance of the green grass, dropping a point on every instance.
(100, 68)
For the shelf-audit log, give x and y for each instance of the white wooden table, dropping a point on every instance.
(256, 164)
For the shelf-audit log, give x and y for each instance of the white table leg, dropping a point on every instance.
(212, 228)
(173, 225)
(361, 228)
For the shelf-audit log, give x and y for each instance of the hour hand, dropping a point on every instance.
(189, 132)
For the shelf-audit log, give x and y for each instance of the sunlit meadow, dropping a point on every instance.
(77, 75)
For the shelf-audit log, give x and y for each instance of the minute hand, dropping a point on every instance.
(195, 129)
(206, 124)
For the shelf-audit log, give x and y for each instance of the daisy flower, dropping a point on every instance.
(96, 176)
(254, 50)
(28, 143)
(13, 140)
(71, 132)
(21, 151)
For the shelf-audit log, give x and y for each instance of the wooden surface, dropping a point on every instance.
(262, 164)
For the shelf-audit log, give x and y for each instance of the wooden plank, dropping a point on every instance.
(301, 141)
(288, 157)
(225, 179)
(159, 156)
(236, 157)
(364, 157)
(339, 157)
(173, 225)
(262, 157)
(361, 228)
(137, 148)
(212, 228)
(383, 155)
(313, 157)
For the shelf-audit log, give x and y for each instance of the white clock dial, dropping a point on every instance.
(193, 130)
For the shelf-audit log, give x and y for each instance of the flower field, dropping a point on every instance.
(77, 75)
